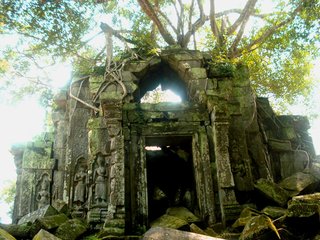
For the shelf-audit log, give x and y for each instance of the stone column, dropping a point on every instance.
(60, 137)
(17, 152)
(78, 115)
(230, 208)
(116, 209)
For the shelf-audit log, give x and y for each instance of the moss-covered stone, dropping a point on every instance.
(43, 234)
(4, 235)
(257, 228)
(51, 222)
(160, 233)
(197, 73)
(299, 182)
(274, 212)
(272, 191)
(182, 213)
(245, 216)
(19, 231)
(116, 223)
(110, 231)
(71, 229)
(221, 70)
(40, 213)
(168, 221)
(304, 206)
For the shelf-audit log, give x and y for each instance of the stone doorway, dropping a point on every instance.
(170, 175)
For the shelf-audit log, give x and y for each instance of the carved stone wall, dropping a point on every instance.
(220, 135)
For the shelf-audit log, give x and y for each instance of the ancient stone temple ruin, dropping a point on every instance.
(120, 163)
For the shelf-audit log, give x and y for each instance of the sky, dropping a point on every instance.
(21, 121)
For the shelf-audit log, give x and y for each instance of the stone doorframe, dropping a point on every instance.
(136, 167)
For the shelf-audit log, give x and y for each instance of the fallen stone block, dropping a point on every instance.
(259, 227)
(245, 215)
(48, 223)
(71, 229)
(304, 206)
(41, 212)
(43, 234)
(195, 229)
(19, 231)
(167, 221)
(299, 183)
(183, 213)
(272, 192)
(160, 233)
(4, 235)
(274, 212)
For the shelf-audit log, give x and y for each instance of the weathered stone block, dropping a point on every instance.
(60, 100)
(288, 133)
(197, 73)
(161, 233)
(182, 213)
(293, 162)
(167, 221)
(115, 95)
(212, 84)
(245, 215)
(274, 212)
(256, 228)
(51, 222)
(71, 230)
(299, 182)
(179, 55)
(128, 76)
(221, 70)
(279, 145)
(5, 235)
(272, 191)
(194, 228)
(130, 86)
(138, 68)
(304, 206)
(111, 231)
(40, 213)
(115, 223)
(188, 64)
(43, 234)
(60, 206)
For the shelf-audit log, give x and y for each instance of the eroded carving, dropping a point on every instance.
(100, 178)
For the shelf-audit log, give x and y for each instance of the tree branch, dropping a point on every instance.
(176, 31)
(147, 8)
(240, 11)
(254, 44)
(213, 23)
(107, 29)
(180, 19)
(247, 9)
(239, 36)
(190, 15)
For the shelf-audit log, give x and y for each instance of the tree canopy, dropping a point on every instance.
(277, 39)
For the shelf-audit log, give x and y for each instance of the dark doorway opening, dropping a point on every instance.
(170, 174)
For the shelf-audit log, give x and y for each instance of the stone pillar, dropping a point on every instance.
(17, 152)
(77, 133)
(230, 208)
(116, 209)
(59, 148)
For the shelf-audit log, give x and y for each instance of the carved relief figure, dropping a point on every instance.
(80, 179)
(43, 196)
(100, 177)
